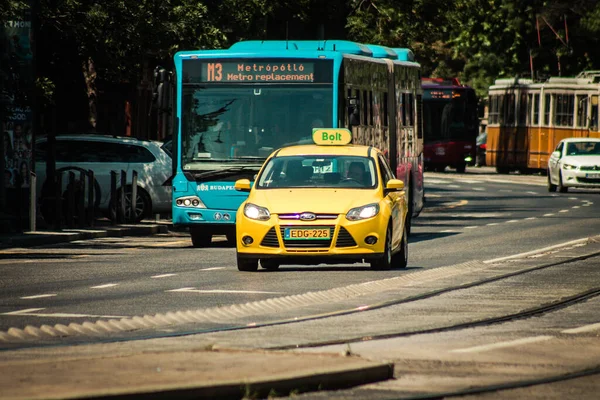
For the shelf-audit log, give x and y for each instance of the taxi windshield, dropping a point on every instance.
(318, 171)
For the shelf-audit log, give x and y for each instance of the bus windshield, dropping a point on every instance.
(229, 124)
(450, 116)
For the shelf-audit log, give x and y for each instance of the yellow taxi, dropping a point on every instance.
(329, 202)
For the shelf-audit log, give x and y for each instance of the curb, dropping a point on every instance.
(31, 239)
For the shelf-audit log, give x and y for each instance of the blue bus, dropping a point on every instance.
(235, 106)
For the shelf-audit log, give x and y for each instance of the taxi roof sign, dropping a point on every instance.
(331, 136)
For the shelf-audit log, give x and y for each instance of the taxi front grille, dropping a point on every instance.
(308, 243)
(344, 239)
(270, 239)
(588, 180)
(296, 216)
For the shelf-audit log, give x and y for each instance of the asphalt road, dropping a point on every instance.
(468, 217)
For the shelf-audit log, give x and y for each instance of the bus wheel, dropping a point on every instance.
(461, 168)
(247, 264)
(561, 188)
(270, 265)
(200, 238)
(551, 186)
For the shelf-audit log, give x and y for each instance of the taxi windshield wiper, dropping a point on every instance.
(222, 173)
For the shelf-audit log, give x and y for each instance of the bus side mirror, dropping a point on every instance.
(353, 114)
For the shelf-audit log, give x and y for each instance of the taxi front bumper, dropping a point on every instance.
(347, 241)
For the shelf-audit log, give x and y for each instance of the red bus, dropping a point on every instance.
(450, 124)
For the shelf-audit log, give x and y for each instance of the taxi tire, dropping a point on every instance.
(269, 265)
(385, 261)
(400, 259)
(247, 265)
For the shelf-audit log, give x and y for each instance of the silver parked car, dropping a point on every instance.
(103, 154)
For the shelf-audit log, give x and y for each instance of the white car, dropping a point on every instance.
(103, 154)
(574, 163)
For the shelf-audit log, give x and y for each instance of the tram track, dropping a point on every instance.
(137, 328)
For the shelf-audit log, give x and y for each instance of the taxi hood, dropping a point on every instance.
(318, 200)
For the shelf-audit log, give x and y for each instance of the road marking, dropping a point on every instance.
(578, 242)
(104, 286)
(38, 296)
(505, 191)
(534, 193)
(493, 224)
(511, 221)
(501, 345)
(436, 181)
(33, 313)
(530, 218)
(573, 198)
(194, 290)
(449, 231)
(471, 227)
(563, 211)
(454, 186)
(576, 207)
(548, 215)
(584, 328)
(178, 242)
(162, 276)
(479, 189)
(211, 269)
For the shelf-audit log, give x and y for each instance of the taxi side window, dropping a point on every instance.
(560, 147)
(386, 172)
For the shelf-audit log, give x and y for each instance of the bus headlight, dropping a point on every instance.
(364, 212)
(190, 201)
(253, 211)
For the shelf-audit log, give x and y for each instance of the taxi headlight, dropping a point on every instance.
(364, 212)
(253, 211)
(569, 166)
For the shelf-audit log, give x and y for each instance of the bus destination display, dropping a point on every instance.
(257, 71)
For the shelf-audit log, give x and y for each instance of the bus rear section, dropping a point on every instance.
(450, 124)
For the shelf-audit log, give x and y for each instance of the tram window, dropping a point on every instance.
(536, 109)
(563, 115)
(547, 105)
(582, 107)
(493, 110)
(509, 109)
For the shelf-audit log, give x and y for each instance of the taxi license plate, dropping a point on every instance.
(306, 233)
(592, 176)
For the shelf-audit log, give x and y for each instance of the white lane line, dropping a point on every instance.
(33, 313)
(584, 328)
(162, 276)
(545, 249)
(479, 189)
(38, 296)
(25, 311)
(467, 181)
(436, 181)
(501, 345)
(194, 290)
(104, 286)
(530, 218)
(454, 186)
(449, 231)
(512, 221)
(211, 269)
(534, 193)
(493, 224)
(505, 191)
(573, 198)
(576, 207)
(548, 215)
(471, 227)
(563, 211)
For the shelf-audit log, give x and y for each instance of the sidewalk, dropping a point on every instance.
(191, 373)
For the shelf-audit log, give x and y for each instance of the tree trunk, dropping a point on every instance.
(89, 75)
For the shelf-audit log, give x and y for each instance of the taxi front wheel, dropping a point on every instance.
(245, 264)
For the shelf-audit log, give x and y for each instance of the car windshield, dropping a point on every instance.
(318, 171)
(583, 149)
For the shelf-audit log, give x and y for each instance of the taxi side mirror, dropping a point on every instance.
(242, 185)
(393, 185)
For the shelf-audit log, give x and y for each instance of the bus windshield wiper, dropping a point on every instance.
(222, 173)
